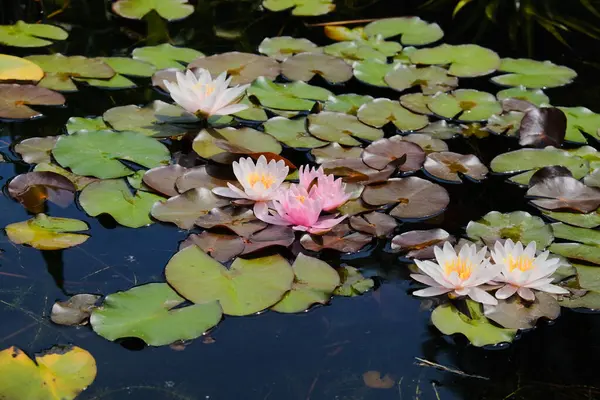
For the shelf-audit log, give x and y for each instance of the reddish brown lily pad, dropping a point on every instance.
(448, 166)
(16, 99)
(221, 247)
(34, 188)
(163, 179)
(239, 220)
(198, 177)
(407, 155)
(304, 66)
(420, 244)
(341, 238)
(355, 170)
(374, 223)
(564, 193)
(242, 67)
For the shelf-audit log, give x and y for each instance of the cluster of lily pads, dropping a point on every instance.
(385, 159)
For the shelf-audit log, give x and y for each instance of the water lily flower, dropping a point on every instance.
(296, 207)
(307, 175)
(201, 95)
(522, 271)
(461, 274)
(331, 191)
(260, 181)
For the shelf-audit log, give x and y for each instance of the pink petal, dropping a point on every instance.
(261, 211)
(230, 191)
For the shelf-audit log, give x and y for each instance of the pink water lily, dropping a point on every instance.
(331, 191)
(296, 207)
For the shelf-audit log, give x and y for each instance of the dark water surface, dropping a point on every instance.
(319, 355)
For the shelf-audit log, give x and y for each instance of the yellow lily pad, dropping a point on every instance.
(19, 69)
(47, 233)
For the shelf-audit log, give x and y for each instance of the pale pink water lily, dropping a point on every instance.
(260, 181)
(296, 207)
(307, 175)
(460, 274)
(199, 94)
(331, 191)
(522, 272)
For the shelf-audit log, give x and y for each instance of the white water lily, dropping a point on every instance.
(522, 272)
(199, 94)
(461, 274)
(260, 181)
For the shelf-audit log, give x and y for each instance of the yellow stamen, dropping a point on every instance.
(207, 89)
(522, 263)
(462, 267)
(266, 179)
(301, 198)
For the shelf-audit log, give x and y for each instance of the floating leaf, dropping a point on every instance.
(292, 132)
(420, 244)
(334, 151)
(466, 60)
(533, 74)
(428, 143)
(62, 372)
(590, 300)
(374, 380)
(465, 105)
(414, 31)
(441, 130)
(564, 192)
(353, 283)
(170, 10)
(114, 197)
(18, 69)
(354, 170)
(296, 96)
(205, 144)
(507, 123)
(341, 238)
(76, 124)
(74, 311)
(577, 251)
(151, 313)
(34, 188)
(346, 103)
(382, 111)
(476, 327)
(519, 226)
(241, 67)
(22, 34)
(166, 56)
(304, 66)
(417, 103)
(448, 166)
(589, 220)
(356, 51)
(301, 8)
(385, 151)
(374, 223)
(372, 72)
(247, 287)
(37, 149)
(314, 283)
(98, 153)
(79, 181)
(571, 233)
(273, 235)
(198, 177)
(122, 66)
(164, 179)
(48, 233)
(341, 128)
(543, 127)
(430, 79)
(149, 120)
(282, 47)
(15, 101)
(536, 97)
(416, 197)
(343, 33)
(239, 220)
(581, 119)
(221, 247)
(183, 210)
(514, 313)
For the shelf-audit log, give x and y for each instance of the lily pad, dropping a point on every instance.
(164, 179)
(346, 103)
(533, 74)
(465, 105)
(354, 170)
(16, 99)
(114, 197)
(294, 96)
(241, 67)
(149, 120)
(79, 181)
(341, 128)
(273, 235)
(170, 10)
(590, 300)
(282, 47)
(18, 69)
(247, 287)
(372, 72)
(48, 233)
(428, 143)
(519, 226)
(62, 372)
(166, 55)
(353, 283)
(536, 97)
(543, 127)
(150, 312)
(99, 153)
(476, 327)
(314, 283)
(356, 51)
(76, 124)
(564, 192)
(34, 188)
(22, 34)
(414, 31)
(507, 123)
(122, 66)
(301, 8)
(420, 244)
(304, 66)
(450, 167)
(334, 151)
(431, 79)
(513, 313)
(239, 220)
(221, 247)
(198, 177)
(575, 234)
(417, 103)
(74, 311)
(292, 132)
(466, 60)
(581, 119)
(343, 33)
(374, 223)
(341, 238)
(577, 251)
(589, 220)
(205, 144)
(382, 111)
(408, 156)
(183, 210)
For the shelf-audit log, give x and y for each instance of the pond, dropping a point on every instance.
(370, 339)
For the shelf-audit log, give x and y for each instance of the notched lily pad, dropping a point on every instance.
(248, 140)
(374, 223)
(334, 151)
(382, 111)
(341, 128)
(22, 34)
(239, 220)
(164, 179)
(294, 96)
(151, 120)
(514, 313)
(408, 156)
(341, 238)
(466, 60)
(581, 119)
(34, 188)
(542, 127)
(564, 192)
(282, 47)
(19, 69)
(76, 124)
(48, 233)
(353, 283)
(241, 67)
(372, 72)
(465, 105)
(414, 31)
(420, 244)
(74, 311)
(430, 79)
(292, 132)
(533, 74)
(304, 66)
(183, 210)
(16, 99)
(301, 8)
(450, 167)
(170, 10)
(166, 56)
(346, 103)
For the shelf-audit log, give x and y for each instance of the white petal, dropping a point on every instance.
(506, 291)
(231, 192)
(232, 109)
(424, 279)
(553, 289)
(430, 291)
(526, 293)
(481, 296)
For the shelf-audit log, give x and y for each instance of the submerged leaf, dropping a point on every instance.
(48, 233)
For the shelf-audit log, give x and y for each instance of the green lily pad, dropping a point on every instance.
(342, 33)
(372, 72)
(245, 288)
(98, 153)
(114, 197)
(166, 56)
(304, 67)
(22, 34)
(62, 372)
(205, 144)
(353, 283)
(301, 8)
(466, 60)
(379, 112)
(341, 128)
(149, 120)
(346, 103)
(577, 251)
(15, 101)
(355, 51)
(282, 47)
(60, 69)
(183, 210)
(465, 105)
(476, 327)
(536, 97)
(292, 132)
(48, 233)
(122, 66)
(572, 233)
(254, 112)
(533, 74)
(531, 160)
(150, 312)
(241, 67)
(589, 220)
(170, 10)
(519, 226)
(588, 277)
(589, 300)
(581, 119)
(431, 79)
(417, 103)
(506, 123)
(414, 31)
(76, 124)
(314, 283)
(295, 96)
